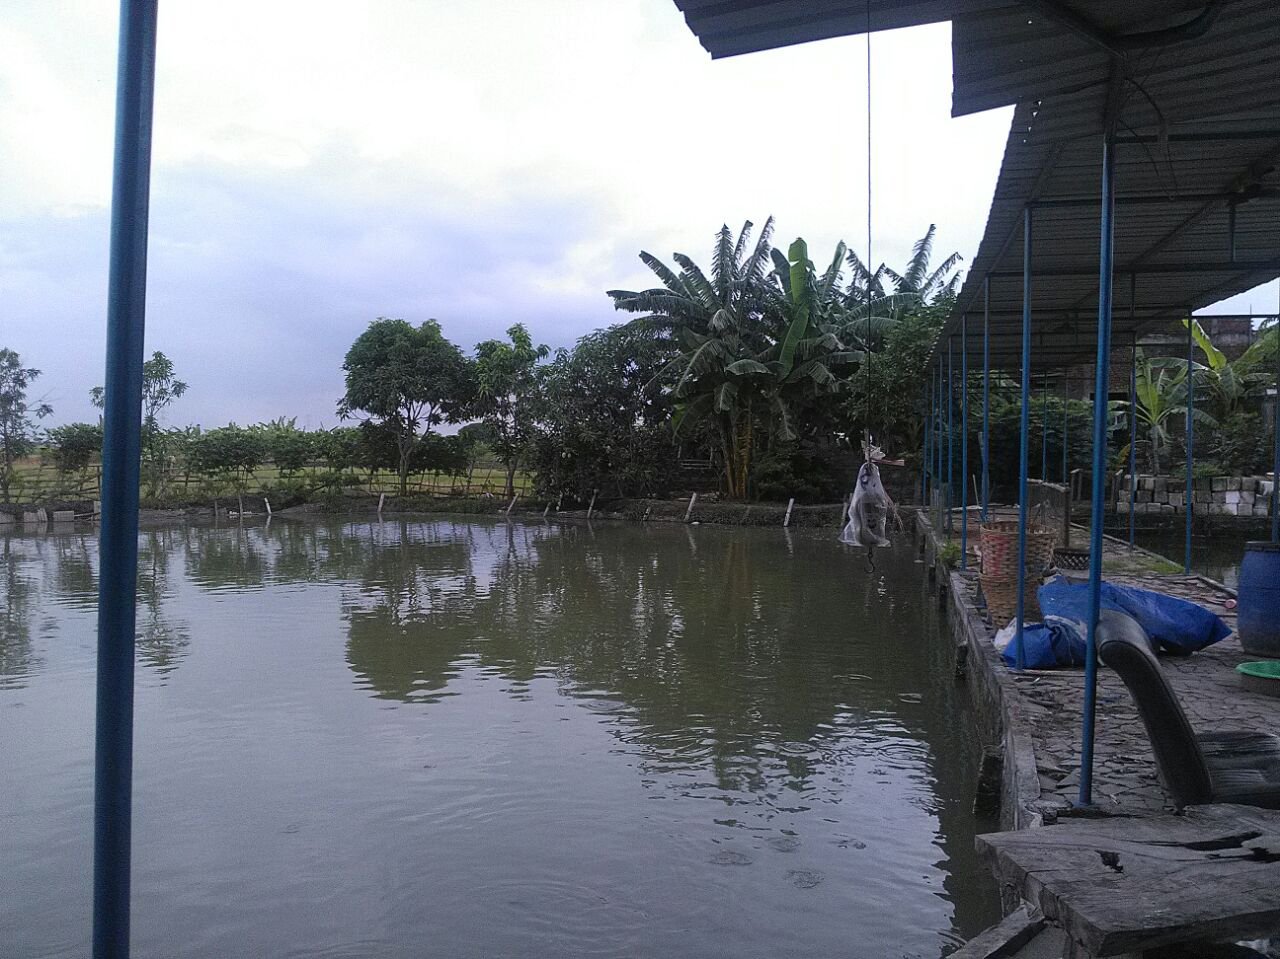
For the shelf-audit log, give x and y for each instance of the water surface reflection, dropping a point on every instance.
(502, 739)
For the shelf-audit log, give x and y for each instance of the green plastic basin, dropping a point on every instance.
(1261, 677)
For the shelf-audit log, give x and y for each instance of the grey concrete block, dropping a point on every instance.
(1231, 498)
(1247, 497)
(1233, 483)
(1144, 496)
(1219, 484)
(64, 516)
(1146, 482)
(1159, 483)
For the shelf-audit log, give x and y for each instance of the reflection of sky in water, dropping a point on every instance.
(499, 738)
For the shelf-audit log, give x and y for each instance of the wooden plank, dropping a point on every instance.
(1123, 885)
(1003, 939)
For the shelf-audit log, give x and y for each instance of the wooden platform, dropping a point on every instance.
(1123, 885)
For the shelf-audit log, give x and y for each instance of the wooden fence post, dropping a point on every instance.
(267, 503)
(689, 512)
(511, 504)
(592, 505)
(786, 520)
(381, 499)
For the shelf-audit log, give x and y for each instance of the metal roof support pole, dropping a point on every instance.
(924, 458)
(939, 484)
(121, 450)
(1044, 428)
(1133, 442)
(964, 441)
(1275, 424)
(1023, 435)
(951, 435)
(1101, 387)
(1191, 435)
(986, 395)
(1066, 478)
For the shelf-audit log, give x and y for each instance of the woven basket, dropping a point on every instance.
(1000, 551)
(1002, 601)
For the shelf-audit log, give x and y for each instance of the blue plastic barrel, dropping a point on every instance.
(1258, 608)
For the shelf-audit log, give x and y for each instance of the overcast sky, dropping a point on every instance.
(319, 164)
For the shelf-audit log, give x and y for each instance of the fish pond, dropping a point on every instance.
(475, 739)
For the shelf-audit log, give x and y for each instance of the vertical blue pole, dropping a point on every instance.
(1024, 431)
(986, 395)
(1101, 386)
(924, 456)
(1275, 453)
(964, 441)
(1044, 428)
(1133, 440)
(938, 483)
(1191, 404)
(951, 436)
(121, 451)
(1066, 406)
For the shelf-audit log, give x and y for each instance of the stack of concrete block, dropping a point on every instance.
(1217, 496)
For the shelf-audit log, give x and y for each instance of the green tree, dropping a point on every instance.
(601, 422)
(75, 446)
(505, 385)
(231, 451)
(160, 389)
(18, 431)
(408, 379)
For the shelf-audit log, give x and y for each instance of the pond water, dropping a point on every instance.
(470, 739)
(1217, 555)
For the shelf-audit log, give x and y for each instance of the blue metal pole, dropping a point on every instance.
(121, 452)
(924, 455)
(1275, 453)
(1066, 405)
(964, 441)
(1191, 404)
(1133, 448)
(986, 395)
(1024, 431)
(1101, 386)
(951, 435)
(938, 483)
(1044, 428)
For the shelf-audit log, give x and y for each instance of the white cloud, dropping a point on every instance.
(318, 164)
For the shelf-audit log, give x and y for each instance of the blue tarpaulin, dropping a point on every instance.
(1175, 625)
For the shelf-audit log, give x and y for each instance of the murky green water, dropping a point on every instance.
(470, 739)
(1217, 555)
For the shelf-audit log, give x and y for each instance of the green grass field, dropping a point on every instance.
(36, 481)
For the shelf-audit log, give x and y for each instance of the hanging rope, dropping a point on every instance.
(867, 428)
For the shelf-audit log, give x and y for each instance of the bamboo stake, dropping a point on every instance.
(786, 520)
(592, 505)
(689, 512)
(512, 504)
(381, 499)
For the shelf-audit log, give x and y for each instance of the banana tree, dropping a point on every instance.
(1162, 400)
(1230, 385)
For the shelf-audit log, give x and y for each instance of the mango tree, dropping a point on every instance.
(407, 379)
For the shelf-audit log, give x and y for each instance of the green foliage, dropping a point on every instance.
(506, 384)
(407, 379)
(288, 447)
(160, 389)
(763, 356)
(75, 446)
(949, 554)
(18, 432)
(1241, 445)
(229, 453)
(600, 420)
(811, 472)
(1006, 415)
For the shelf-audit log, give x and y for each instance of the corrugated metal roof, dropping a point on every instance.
(1004, 52)
(727, 28)
(1173, 230)
(1199, 115)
